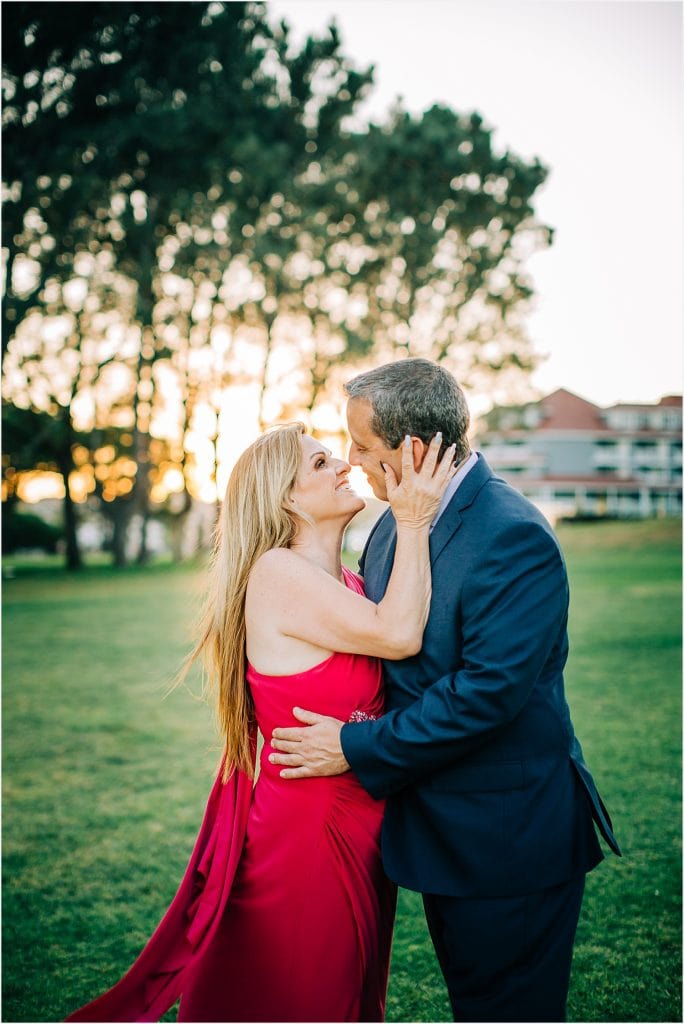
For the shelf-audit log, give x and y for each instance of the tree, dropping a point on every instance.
(40, 440)
(149, 136)
(412, 240)
(194, 179)
(449, 225)
(111, 97)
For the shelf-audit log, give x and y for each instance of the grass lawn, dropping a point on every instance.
(105, 781)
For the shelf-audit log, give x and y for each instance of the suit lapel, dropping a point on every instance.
(378, 555)
(451, 518)
(448, 524)
(383, 557)
(383, 543)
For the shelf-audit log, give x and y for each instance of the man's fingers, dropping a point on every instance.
(293, 760)
(289, 746)
(296, 773)
(292, 735)
(310, 717)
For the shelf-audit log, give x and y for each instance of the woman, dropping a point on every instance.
(284, 912)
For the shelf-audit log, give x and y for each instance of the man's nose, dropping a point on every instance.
(354, 456)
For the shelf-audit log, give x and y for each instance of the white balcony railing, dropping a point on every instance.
(501, 456)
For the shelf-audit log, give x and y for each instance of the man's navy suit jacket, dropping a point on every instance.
(487, 791)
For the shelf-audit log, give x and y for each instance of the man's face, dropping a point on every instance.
(367, 449)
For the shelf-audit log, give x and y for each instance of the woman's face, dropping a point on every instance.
(322, 488)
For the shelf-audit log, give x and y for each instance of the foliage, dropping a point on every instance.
(95, 845)
(452, 222)
(30, 438)
(160, 146)
(24, 531)
(111, 98)
(40, 440)
(198, 219)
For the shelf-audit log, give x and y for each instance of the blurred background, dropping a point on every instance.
(214, 214)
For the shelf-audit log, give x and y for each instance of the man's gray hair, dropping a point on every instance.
(416, 397)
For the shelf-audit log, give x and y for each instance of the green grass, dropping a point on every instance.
(105, 781)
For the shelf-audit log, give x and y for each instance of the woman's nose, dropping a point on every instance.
(342, 467)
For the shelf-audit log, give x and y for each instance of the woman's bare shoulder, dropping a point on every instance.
(279, 565)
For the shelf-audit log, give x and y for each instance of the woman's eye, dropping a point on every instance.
(319, 463)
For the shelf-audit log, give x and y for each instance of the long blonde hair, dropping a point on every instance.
(254, 519)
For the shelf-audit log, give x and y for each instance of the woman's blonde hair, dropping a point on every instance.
(254, 519)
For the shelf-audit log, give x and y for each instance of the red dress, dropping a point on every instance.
(284, 912)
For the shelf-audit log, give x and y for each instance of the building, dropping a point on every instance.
(573, 458)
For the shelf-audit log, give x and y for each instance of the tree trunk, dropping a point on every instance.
(176, 534)
(74, 561)
(119, 520)
(143, 554)
(9, 325)
(141, 434)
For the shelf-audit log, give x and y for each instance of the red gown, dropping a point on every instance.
(284, 912)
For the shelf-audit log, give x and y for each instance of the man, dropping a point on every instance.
(489, 801)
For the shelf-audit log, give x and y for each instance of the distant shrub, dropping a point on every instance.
(24, 531)
(592, 517)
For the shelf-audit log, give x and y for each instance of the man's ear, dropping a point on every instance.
(419, 452)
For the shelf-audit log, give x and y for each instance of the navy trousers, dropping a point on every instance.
(507, 959)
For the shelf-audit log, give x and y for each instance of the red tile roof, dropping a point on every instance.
(563, 410)
(671, 401)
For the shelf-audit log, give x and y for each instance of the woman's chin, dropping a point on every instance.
(357, 506)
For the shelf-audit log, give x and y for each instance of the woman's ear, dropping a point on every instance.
(293, 509)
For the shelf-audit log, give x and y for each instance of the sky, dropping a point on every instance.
(594, 89)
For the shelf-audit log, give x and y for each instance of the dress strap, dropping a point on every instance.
(353, 581)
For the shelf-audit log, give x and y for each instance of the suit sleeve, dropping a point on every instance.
(514, 608)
